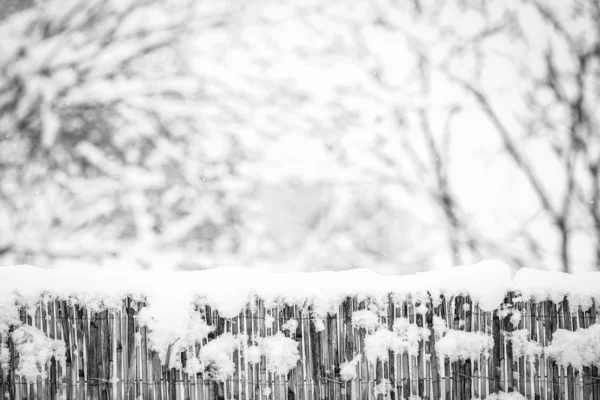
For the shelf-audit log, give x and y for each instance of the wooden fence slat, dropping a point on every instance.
(496, 355)
(132, 387)
(524, 370)
(118, 352)
(511, 383)
(306, 352)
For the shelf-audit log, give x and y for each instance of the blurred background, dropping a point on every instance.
(307, 134)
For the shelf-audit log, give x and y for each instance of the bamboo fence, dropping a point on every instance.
(108, 356)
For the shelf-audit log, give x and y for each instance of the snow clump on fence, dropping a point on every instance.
(460, 345)
(577, 349)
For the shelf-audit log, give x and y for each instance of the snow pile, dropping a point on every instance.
(551, 285)
(193, 366)
(36, 351)
(486, 283)
(319, 324)
(348, 369)
(173, 332)
(384, 389)
(439, 326)
(252, 354)
(9, 314)
(422, 308)
(460, 345)
(217, 356)
(175, 325)
(230, 289)
(523, 346)
(4, 356)
(507, 310)
(281, 353)
(171, 296)
(410, 335)
(269, 321)
(578, 349)
(506, 396)
(515, 317)
(365, 319)
(405, 337)
(290, 325)
(379, 343)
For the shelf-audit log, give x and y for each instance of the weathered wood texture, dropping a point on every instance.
(108, 357)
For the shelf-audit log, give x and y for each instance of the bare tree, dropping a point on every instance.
(328, 135)
(97, 124)
(567, 87)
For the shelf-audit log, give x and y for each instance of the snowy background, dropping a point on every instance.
(307, 134)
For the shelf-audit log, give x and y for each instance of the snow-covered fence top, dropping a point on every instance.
(459, 333)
